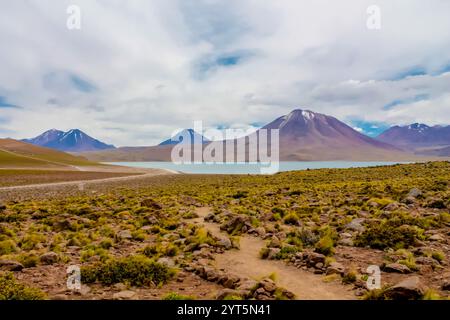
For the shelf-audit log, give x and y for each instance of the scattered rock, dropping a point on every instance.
(313, 258)
(274, 242)
(268, 285)
(356, 225)
(436, 237)
(272, 253)
(261, 231)
(346, 242)
(425, 261)
(410, 288)
(248, 285)
(414, 192)
(152, 219)
(446, 285)
(335, 268)
(409, 200)
(9, 265)
(120, 286)
(391, 206)
(150, 203)
(166, 261)
(223, 241)
(230, 282)
(125, 295)
(49, 258)
(222, 294)
(396, 267)
(236, 224)
(124, 234)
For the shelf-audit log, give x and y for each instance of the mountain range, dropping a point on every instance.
(73, 140)
(304, 136)
(419, 138)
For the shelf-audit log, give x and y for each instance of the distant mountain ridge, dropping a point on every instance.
(73, 140)
(416, 135)
(304, 136)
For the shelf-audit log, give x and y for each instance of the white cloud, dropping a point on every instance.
(150, 64)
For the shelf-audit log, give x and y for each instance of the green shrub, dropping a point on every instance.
(388, 235)
(176, 296)
(7, 247)
(286, 252)
(136, 270)
(325, 245)
(29, 260)
(10, 289)
(291, 218)
(438, 255)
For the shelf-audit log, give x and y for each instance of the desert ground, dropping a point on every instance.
(294, 235)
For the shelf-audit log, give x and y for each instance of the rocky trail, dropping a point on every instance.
(246, 262)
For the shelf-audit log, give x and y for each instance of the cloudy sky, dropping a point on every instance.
(137, 70)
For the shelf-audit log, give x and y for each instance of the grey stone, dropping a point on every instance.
(414, 192)
(410, 288)
(335, 268)
(49, 258)
(396, 267)
(125, 295)
(9, 265)
(124, 234)
(356, 225)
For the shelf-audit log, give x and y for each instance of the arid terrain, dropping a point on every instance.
(294, 235)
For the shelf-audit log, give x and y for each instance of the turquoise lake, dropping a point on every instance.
(249, 168)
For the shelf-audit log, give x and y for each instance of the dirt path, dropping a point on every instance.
(82, 183)
(246, 262)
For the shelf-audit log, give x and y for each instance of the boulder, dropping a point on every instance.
(391, 206)
(356, 225)
(150, 203)
(166, 261)
(125, 295)
(436, 237)
(49, 258)
(2, 206)
(313, 258)
(425, 261)
(248, 285)
(408, 289)
(236, 224)
(230, 282)
(222, 294)
(274, 243)
(124, 234)
(396, 267)
(446, 285)
(9, 265)
(414, 193)
(268, 285)
(260, 231)
(335, 268)
(223, 241)
(346, 242)
(272, 253)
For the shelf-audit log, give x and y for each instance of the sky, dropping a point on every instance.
(136, 71)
